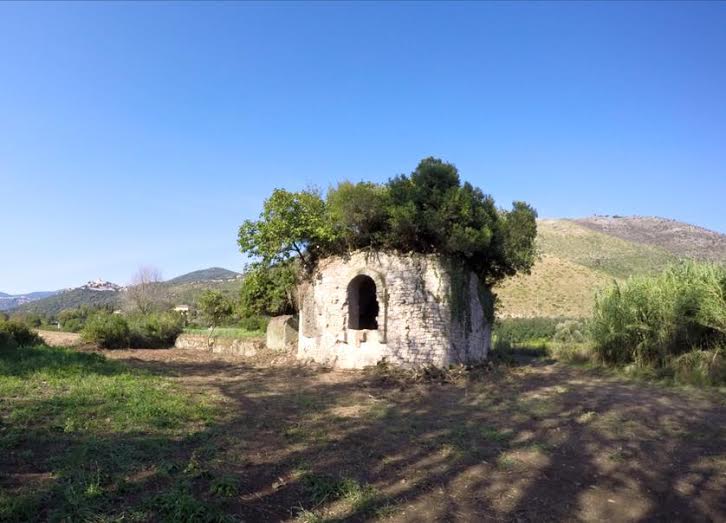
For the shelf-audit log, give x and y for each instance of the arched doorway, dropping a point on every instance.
(362, 303)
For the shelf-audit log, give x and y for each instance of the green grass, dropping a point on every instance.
(226, 332)
(90, 424)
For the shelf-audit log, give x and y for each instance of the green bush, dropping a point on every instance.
(155, 330)
(109, 331)
(269, 290)
(7, 342)
(649, 320)
(700, 367)
(73, 320)
(19, 333)
(518, 330)
(73, 325)
(570, 331)
(254, 323)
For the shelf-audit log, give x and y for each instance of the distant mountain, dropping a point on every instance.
(10, 301)
(71, 299)
(581, 256)
(211, 274)
(182, 289)
(678, 238)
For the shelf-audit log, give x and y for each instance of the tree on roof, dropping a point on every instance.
(428, 211)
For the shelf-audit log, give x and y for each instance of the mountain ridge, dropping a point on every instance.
(679, 238)
(102, 293)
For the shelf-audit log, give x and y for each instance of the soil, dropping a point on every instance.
(539, 442)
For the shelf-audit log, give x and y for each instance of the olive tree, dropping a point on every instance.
(215, 308)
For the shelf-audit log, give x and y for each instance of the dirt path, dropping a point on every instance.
(60, 339)
(536, 443)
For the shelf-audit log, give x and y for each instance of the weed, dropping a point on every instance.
(224, 486)
(179, 505)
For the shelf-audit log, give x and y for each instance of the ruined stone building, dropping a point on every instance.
(410, 309)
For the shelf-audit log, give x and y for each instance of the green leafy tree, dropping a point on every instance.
(215, 308)
(429, 211)
(291, 224)
(269, 290)
(359, 213)
(109, 331)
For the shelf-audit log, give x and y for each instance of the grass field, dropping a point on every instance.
(79, 432)
(171, 435)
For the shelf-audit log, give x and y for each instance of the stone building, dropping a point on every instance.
(410, 309)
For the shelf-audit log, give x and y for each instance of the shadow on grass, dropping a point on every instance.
(23, 361)
(531, 444)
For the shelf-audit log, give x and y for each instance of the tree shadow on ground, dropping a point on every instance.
(538, 443)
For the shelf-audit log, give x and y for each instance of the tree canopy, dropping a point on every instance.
(428, 211)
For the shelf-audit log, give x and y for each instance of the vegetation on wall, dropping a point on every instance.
(428, 211)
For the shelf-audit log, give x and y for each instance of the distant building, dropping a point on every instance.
(182, 309)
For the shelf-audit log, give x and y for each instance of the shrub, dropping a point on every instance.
(155, 330)
(7, 342)
(570, 331)
(215, 307)
(649, 320)
(520, 330)
(109, 331)
(269, 290)
(254, 323)
(19, 333)
(73, 325)
(700, 367)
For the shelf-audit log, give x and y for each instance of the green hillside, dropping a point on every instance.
(204, 275)
(578, 258)
(184, 289)
(72, 299)
(599, 251)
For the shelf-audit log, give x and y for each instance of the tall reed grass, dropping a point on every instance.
(652, 320)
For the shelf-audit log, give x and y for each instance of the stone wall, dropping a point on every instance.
(228, 346)
(282, 333)
(420, 320)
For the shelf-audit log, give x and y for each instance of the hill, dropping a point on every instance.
(556, 287)
(71, 299)
(182, 289)
(678, 238)
(599, 251)
(580, 256)
(10, 301)
(205, 275)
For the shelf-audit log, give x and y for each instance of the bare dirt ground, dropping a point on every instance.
(540, 442)
(60, 339)
(547, 442)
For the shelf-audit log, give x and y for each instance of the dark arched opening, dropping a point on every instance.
(362, 303)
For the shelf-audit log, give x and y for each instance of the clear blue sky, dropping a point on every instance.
(145, 133)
